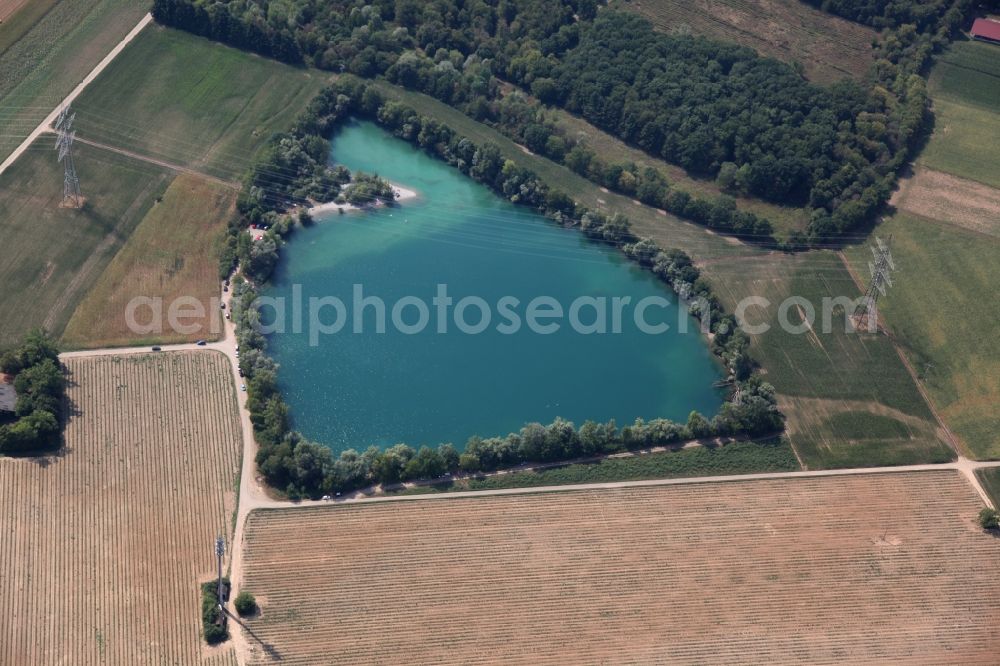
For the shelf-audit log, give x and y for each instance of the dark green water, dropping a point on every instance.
(353, 390)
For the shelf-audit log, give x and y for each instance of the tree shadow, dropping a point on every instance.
(269, 649)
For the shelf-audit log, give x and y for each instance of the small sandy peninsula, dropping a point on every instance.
(402, 194)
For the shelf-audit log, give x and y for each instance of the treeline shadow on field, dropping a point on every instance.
(269, 649)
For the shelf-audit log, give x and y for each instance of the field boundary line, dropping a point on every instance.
(953, 441)
(161, 163)
(643, 483)
(94, 73)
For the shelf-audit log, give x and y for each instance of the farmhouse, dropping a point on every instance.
(8, 398)
(986, 30)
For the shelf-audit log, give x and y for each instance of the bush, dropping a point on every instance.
(245, 604)
(989, 519)
(213, 620)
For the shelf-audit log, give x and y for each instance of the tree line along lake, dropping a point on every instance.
(460, 374)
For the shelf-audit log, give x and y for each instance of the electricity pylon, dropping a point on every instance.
(220, 550)
(64, 144)
(866, 314)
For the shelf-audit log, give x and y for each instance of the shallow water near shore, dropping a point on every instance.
(356, 389)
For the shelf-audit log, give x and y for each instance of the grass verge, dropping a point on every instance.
(734, 458)
(990, 478)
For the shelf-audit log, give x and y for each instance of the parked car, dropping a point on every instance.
(157, 348)
(243, 387)
(200, 343)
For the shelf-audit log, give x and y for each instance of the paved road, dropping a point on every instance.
(49, 119)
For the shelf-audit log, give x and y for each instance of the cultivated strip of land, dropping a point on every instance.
(827, 47)
(49, 119)
(105, 543)
(822, 570)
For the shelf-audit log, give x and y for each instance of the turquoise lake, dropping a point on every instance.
(355, 389)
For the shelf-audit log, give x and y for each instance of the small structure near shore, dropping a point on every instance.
(986, 30)
(8, 396)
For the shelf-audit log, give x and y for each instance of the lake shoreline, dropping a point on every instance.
(402, 194)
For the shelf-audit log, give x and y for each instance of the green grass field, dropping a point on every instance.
(15, 26)
(990, 478)
(849, 399)
(170, 255)
(51, 256)
(189, 101)
(735, 458)
(45, 54)
(965, 87)
(940, 311)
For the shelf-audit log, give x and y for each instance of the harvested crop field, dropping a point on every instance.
(951, 199)
(172, 256)
(829, 48)
(867, 568)
(103, 546)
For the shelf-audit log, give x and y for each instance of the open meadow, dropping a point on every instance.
(104, 543)
(965, 89)
(51, 256)
(46, 48)
(180, 98)
(852, 569)
(186, 101)
(937, 312)
(828, 48)
(170, 255)
(849, 399)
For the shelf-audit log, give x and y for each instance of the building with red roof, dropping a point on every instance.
(986, 30)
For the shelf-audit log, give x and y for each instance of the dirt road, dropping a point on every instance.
(46, 124)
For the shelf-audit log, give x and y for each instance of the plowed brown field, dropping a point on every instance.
(881, 568)
(102, 547)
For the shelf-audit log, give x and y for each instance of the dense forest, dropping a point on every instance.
(924, 15)
(38, 380)
(714, 108)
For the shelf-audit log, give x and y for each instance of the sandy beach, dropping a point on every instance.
(402, 194)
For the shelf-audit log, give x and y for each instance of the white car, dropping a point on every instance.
(243, 387)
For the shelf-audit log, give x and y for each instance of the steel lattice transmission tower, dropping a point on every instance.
(866, 314)
(64, 144)
(220, 550)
